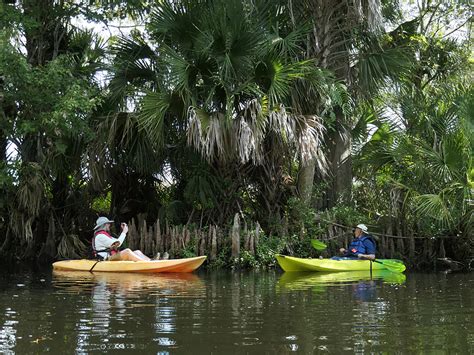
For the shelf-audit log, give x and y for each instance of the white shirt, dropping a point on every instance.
(102, 242)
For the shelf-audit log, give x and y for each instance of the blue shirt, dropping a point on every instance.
(362, 245)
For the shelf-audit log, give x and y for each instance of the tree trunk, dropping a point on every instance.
(305, 180)
(41, 33)
(331, 21)
(339, 188)
(331, 44)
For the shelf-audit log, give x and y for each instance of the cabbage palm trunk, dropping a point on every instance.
(332, 39)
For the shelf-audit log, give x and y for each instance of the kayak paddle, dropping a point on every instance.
(318, 245)
(391, 265)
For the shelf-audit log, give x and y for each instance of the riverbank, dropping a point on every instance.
(246, 245)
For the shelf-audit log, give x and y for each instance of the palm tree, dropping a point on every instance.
(423, 148)
(346, 38)
(229, 81)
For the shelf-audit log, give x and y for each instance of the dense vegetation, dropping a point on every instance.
(297, 115)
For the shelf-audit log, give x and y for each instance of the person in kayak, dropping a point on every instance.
(362, 246)
(106, 247)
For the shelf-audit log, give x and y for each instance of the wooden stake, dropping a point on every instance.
(236, 237)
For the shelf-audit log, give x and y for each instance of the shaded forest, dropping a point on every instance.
(282, 121)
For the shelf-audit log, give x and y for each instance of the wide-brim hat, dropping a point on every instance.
(101, 221)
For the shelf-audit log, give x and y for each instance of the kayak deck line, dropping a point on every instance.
(291, 263)
(153, 266)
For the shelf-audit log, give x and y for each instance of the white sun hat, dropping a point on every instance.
(101, 221)
(362, 227)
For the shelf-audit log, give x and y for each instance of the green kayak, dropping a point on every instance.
(290, 263)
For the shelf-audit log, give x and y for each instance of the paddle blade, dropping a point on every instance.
(318, 245)
(392, 265)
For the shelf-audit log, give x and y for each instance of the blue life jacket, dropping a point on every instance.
(361, 245)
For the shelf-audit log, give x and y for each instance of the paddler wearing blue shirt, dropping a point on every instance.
(362, 246)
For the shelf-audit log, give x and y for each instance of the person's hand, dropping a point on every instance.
(124, 228)
(342, 250)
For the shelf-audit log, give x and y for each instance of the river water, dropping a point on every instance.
(224, 312)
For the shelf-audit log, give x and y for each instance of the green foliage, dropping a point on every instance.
(300, 244)
(202, 189)
(414, 167)
(230, 82)
(190, 250)
(247, 260)
(107, 10)
(101, 204)
(223, 259)
(211, 108)
(267, 247)
(264, 257)
(301, 218)
(346, 215)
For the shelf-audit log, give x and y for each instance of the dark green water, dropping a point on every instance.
(226, 312)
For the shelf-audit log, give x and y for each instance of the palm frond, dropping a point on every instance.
(290, 44)
(173, 22)
(176, 71)
(153, 109)
(87, 50)
(377, 65)
(202, 189)
(283, 76)
(134, 68)
(434, 206)
(31, 191)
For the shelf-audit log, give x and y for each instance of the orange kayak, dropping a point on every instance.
(173, 265)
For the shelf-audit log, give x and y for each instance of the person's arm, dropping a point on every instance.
(122, 235)
(366, 256)
(369, 250)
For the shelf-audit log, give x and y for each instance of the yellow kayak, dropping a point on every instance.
(173, 265)
(290, 263)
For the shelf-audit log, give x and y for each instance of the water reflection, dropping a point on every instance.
(133, 284)
(120, 298)
(318, 280)
(363, 313)
(236, 312)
